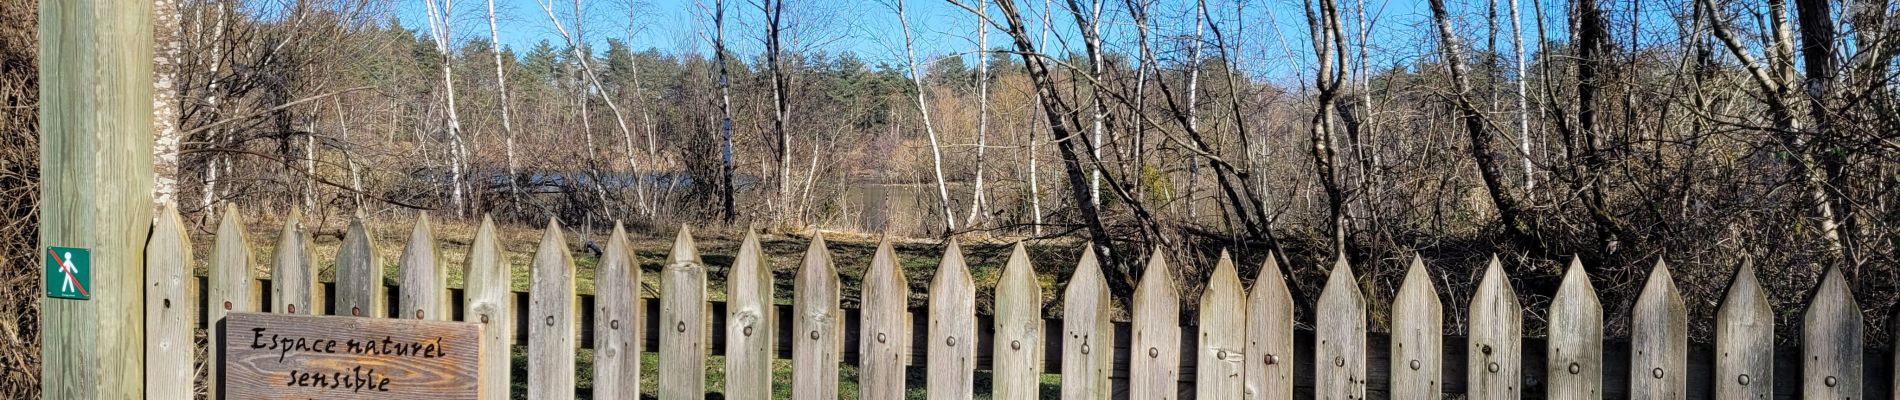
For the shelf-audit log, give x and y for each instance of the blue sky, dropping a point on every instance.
(1273, 33)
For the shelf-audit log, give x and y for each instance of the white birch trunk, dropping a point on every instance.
(168, 23)
(977, 196)
(439, 20)
(1523, 109)
(936, 151)
(580, 57)
(507, 123)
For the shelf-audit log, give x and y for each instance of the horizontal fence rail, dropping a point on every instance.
(1250, 350)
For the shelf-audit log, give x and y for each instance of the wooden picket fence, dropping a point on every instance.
(1244, 345)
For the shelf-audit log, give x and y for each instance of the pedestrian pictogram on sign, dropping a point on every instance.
(68, 273)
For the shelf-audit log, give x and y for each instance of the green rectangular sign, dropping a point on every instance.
(68, 273)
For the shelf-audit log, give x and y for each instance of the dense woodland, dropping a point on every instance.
(1703, 133)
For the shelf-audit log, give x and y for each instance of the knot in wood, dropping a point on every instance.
(1658, 373)
(1742, 379)
(1486, 349)
(167, 303)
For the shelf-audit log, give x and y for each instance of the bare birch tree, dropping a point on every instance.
(507, 123)
(930, 131)
(978, 198)
(440, 25)
(580, 56)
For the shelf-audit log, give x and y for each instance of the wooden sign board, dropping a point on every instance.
(288, 356)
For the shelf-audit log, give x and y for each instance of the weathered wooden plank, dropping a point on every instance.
(1019, 342)
(951, 336)
(359, 274)
(1659, 339)
(552, 318)
(884, 345)
(1155, 369)
(749, 324)
(1574, 353)
(1831, 341)
(1270, 335)
(684, 319)
(228, 285)
(1340, 357)
(293, 278)
(1221, 370)
(488, 301)
(169, 348)
(1745, 340)
(1087, 334)
(325, 357)
(817, 326)
(1418, 325)
(425, 284)
(617, 320)
(1494, 361)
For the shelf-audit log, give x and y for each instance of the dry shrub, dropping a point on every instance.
(19, 201)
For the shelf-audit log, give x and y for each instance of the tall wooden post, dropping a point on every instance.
(95, 191)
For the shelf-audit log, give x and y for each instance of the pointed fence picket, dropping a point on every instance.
(616, 320)
(1417, 337)
(1019, 343)
(1154, 371)
(1242, 345)
(817, 326)
(1659, 340)
(952, 332)
(1493, 360)
(749, 324)
(1574, 351)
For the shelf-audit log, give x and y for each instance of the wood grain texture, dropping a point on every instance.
(1659, 340)
(359, 273)
(1745, 340)
(293, 277)
(1494, 361)
(228, 286)
(1019, 343)
(1574, 352)
(551, 318)
(1155, 369)
(425, 283)
(1831, 341)
(884, 343)
(1222, 350)
(683, 318)
(488, 301)
(1087, 334)
(1340, 357)
(1417, 337)
(95, 187)
(169, 347)
(818, 326)
(1270, 358)
(749, 323)
(951, 335)
(617, 320)
(281, 356)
